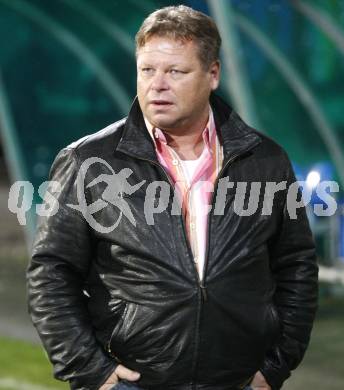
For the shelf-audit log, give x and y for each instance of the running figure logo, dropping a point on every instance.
(117, 184)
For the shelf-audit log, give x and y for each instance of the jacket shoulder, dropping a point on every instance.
(102, 142)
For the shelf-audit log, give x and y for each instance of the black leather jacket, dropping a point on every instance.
(145, 305)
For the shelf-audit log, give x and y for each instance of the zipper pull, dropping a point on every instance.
(204, 292)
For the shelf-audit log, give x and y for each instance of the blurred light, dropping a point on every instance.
(313, 179)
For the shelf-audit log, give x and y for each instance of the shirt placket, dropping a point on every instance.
(207, 170)
(185, 188)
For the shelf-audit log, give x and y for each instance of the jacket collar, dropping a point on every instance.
(234, 134)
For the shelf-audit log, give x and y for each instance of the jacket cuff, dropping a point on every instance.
(93, 383)
(275, 371)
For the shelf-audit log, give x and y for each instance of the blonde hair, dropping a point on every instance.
(183, 23)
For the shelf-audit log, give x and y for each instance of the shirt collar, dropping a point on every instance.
(208, 133)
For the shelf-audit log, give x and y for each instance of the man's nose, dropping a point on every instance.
(159, 82)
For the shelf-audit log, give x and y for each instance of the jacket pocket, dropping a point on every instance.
(116, 329)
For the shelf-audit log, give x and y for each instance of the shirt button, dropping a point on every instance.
(192, 225)
(175, 162)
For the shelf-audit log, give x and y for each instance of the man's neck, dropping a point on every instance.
(187, 146)
(188, 143)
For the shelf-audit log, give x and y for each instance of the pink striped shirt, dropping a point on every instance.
(194, 181)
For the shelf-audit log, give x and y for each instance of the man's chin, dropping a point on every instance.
(164, 123)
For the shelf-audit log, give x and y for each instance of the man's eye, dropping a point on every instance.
(146, 70)
(175, 71)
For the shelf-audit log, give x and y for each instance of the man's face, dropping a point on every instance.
(172, 86)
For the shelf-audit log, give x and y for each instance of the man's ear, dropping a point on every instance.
(215, 70)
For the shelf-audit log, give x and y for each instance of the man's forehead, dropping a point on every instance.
(165, 45)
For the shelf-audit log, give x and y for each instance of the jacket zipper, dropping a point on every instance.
(202, 285)
(212, 208)
(211, 211)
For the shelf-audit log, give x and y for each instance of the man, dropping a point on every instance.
(128, 293)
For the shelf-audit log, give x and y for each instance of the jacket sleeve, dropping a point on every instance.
(295, 271)
(61, 255)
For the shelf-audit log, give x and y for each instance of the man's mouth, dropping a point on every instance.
(161, 102)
